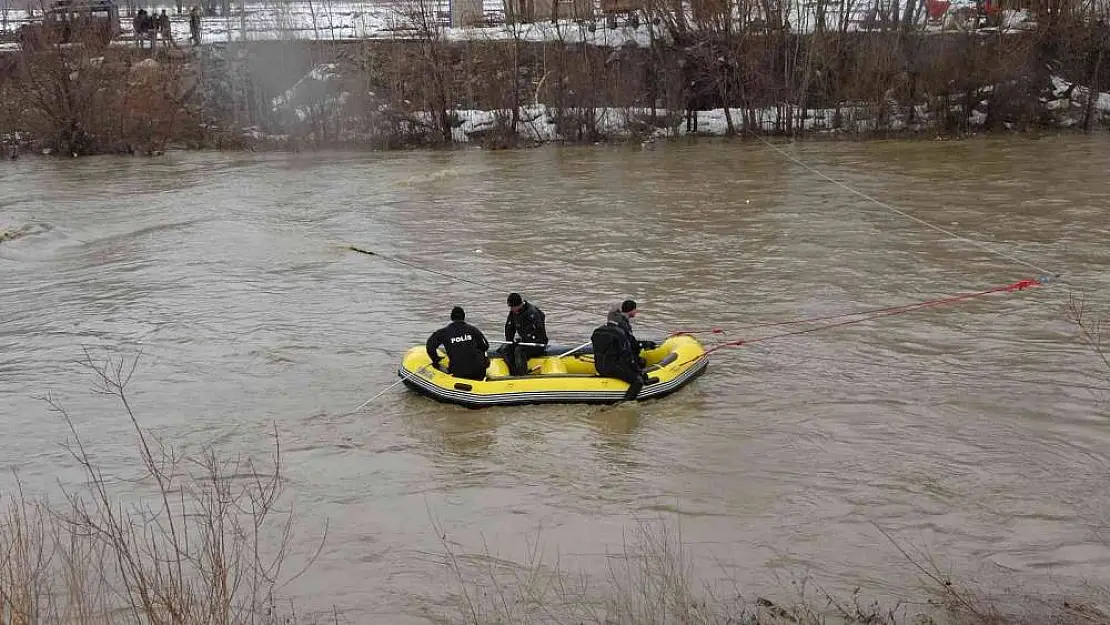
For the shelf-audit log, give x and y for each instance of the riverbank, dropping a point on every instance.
(435, 91)
(651, 581)
(193, 540)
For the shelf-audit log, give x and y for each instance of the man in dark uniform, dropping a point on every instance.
(621, 317)
(529, 323)
(615, 357)
(465, 345)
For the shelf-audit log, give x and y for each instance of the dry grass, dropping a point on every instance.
(651, 582)
(195, 539)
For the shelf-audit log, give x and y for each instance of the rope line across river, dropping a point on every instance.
(865, 315)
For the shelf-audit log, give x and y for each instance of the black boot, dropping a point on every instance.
(633, 390)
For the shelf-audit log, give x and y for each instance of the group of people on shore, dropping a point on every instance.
(616, 349)
(148, 24)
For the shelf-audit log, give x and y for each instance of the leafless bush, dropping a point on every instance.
(1090, 325)
(205, 542)
(576, 87)
(651, 581)
(427, 67)
(76, 103)
(762, 63)
(500, 70)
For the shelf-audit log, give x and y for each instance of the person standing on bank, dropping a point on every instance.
(465, 345)
(194, 25)
(529, 323)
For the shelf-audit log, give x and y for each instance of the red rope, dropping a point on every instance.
(875, 314)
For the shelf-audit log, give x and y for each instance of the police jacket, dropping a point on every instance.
(621, 321)
(612, 349)
(465, 345)
(529, 323)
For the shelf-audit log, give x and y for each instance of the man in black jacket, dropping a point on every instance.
(621, 317)
(527, 322)
(615, 357)
(465, 345)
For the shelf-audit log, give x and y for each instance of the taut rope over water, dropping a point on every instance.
(1020, 285)
(484, 285)
(860, 316)
(1046, 274)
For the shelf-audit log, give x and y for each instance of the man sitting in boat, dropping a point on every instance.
(465, 345)
(615, 357)
(621, 317)
(526, 321)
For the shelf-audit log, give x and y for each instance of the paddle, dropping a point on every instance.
(566, 353)
(515, 343)
(569, 352)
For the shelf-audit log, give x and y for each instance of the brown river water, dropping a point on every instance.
(977, 431)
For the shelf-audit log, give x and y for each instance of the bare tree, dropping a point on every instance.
(201, 542)
(433, 64)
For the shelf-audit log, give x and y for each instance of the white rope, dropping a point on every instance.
(493, 287)
(1046, 273)
(893, 209)
(383, 392)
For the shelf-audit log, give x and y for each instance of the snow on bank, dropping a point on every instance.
(375, 19)
(350, 21)
(313, 97)
(1070, 102)
(539, 125)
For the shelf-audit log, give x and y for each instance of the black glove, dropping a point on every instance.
(648, 345)
(641, 363)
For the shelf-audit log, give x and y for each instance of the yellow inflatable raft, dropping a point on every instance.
(569, 379)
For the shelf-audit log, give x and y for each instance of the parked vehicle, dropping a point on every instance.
(87, 22)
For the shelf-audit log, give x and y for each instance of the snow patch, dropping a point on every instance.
(376, 19)
(1077, 102)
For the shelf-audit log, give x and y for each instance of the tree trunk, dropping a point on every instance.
(910, 15)
(1093, 90)
(516, 82)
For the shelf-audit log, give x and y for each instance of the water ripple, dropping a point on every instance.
(979, 427)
